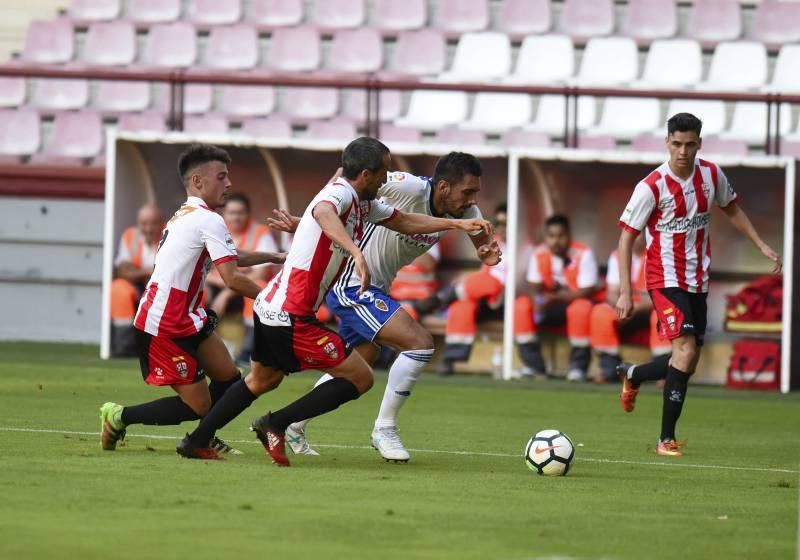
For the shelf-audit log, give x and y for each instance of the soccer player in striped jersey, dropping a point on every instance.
(673, 206)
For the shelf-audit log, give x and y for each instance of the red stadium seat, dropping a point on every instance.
(460, 137)
(356, 50)
(171, 45)
(461, 16)
(214, 12)
(197, 99)
(596, 142)
(110, 43)
(420, 53)
(20, 132)
(390, 133)
(339, 14)
(776, 23)
(355, 104)
(13, 92)
(391, 15)
(519, 18)
(789, 147)
(335, 129)
(57, 94)
(311, 103)
(295, 49)
(649, 143)
(247, 101)
(154, 11)
(209, 123)
(120, 96)
(94, 10)
(76, 136)
(519, 138)
(276, 13)
(142, 122)
(712, 21)
(582, 19)
(275, 126)
(49, 42)
(646, 20)
(232, 47)
(725, 146)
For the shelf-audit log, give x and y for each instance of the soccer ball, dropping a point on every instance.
(550, 453)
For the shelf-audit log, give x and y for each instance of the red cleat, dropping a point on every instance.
(669, 448)
(274, 442)
(188, 450)
(627, 396)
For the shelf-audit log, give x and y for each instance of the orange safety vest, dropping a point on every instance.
(134, 242)
(544, 258)
(412, 283)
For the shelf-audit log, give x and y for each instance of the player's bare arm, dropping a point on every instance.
(742, 223)
(331, 225)
(253, 258)
(625, 300)
(283, 221)
(236, 280)
(420, 223)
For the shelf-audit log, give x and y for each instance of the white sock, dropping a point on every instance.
(301, 425)
(402, 377)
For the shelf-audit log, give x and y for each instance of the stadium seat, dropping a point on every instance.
(646, 20)
(650, 143)
(58, 94)
(718, 146)
(49, 42)
(710, 112)
(247, 101)
(786, 75)
(582, 19)
(714, 21)
(142, 122)
(154, 11)
(550, 114)
(625, 117)
(209, 123)
(480, 57)
(273, 127)
(462, 16)
(776, 23)
(459, 137)
(355, 104)
(789, 147)
(749, 122)
(608, 61)
(13, 92)
(294, 49)
(519, 138)
(419, 53)
(171, 45)
(391, 15)
(276, 13)
(94, 10)
(110, 43)
(431, 110)
(339, 14)
(120, 96)
(519, 18)
(20, 132)
(334, 129)
(356, 50)
(499, 112)
(592, 141)
(76, 135)
(214, 12)
(737, 66)
(390, 133)
(197, 98)
(544, 59)
(310, 103)
(232, 47)
(672, 63)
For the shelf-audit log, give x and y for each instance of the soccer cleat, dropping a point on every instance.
(221, 447)
(387, 442)
(669, 448)
(112, 430)
(188, 450)
(274, 442)
(296, 438)
(627, 396)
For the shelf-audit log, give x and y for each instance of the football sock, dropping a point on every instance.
(321, 399)
(674, 395)
(403, 376)
(235, 400)
(169, 411)
(325, 377)
(218, 388)
(651, 371)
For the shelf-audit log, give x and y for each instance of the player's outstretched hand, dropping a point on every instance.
(363, 273)
(768, 252)
(490, 253)
(475, 225)
(283, 221)
(624, 307)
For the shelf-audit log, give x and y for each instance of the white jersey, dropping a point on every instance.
(193, 239)
(387, 251)
(677, 215)
(314, 262)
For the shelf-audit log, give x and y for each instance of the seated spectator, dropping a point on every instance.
(415, 284)
(606, 329)
(132, 269)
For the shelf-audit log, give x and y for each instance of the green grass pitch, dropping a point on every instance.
(466, 494)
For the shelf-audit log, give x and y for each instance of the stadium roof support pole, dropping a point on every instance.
(788, 275)
(510, 256)
(108, 243)
(280, 188)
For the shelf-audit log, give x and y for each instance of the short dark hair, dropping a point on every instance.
(501, 208)
(198, 154)
(557, 220)
(240, 198)
(362, 153)
(454, 166)
(684, 122)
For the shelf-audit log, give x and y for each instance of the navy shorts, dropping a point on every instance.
(360, 316)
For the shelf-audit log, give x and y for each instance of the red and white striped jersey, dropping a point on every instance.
(193, 239)
(314, 262)
(677, 215)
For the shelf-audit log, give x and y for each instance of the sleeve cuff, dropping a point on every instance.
(734, 201)
(394, 213)
(335, 208)
(226, 258)
(626, 227)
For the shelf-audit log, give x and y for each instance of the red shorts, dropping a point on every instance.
(169, 361)
(679, 313)
(305, 344)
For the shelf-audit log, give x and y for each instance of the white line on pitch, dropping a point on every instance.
(442, 451)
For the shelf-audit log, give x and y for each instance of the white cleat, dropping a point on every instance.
(297, 442)
(387, 442)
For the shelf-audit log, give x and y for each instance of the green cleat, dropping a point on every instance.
(112, 429)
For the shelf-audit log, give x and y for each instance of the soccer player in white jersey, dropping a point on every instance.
(673, 206)
(288, 338)
(175, 337)
(373, 317)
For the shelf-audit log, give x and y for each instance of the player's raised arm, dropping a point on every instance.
(420, 223)
(328, 219)
(254, 258)
(283, 221)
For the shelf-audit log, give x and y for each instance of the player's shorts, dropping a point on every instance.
(361, 316)
(172, 361)
(305, 344)
(680, 313)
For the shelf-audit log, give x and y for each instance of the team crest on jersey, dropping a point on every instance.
(396, 177)
(671, 322)
(330, 350)
(380, 304)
